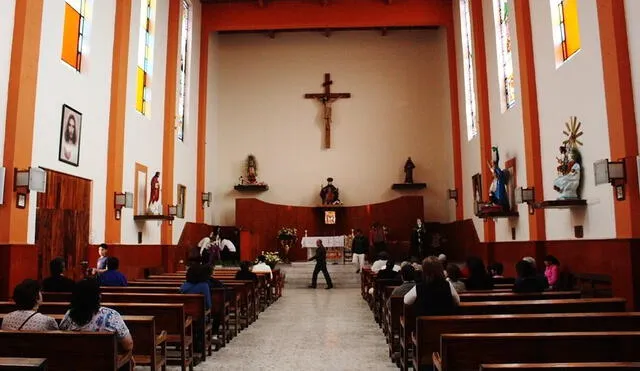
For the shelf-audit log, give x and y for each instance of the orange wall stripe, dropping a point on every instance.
(336, 14)
(484, 127)
(117, 109)
(530, 116)
(21, 103)
(202, 121)
(168, 138)
(455, 120)
(620, 109)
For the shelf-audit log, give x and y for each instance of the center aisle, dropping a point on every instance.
(308, 329)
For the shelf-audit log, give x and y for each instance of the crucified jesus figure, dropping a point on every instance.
(327, 98)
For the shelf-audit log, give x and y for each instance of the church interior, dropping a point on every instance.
(160, 131)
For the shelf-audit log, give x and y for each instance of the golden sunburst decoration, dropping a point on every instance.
(572, 132)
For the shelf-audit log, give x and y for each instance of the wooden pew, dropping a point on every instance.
(472, 296)
(64, 351)
(578, 366)
(426, 339)
(396, 304)
(469, 351)
(22, 364)
(145, 339)
(168, 317)
(378, 293)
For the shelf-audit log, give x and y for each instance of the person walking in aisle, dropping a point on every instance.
(321, 265)
(359, 248)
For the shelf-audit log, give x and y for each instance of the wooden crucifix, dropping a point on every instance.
(327, 98)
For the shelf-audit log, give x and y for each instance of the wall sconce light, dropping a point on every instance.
(453, 195)
(206, 198)
(172, 210)
(121, 200)
(526, 196)
(612, 172)
(33, 179)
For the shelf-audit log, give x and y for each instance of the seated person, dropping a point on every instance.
(551, 271)
(496, 270)
(388, 273)
(57, 282)
(112, 277)
(213, 282)
(443, 261)
(407, 273)
(198, 282)
(478, 278)
(28, 297)
(434, 295)
(528, 280)
(244, 274)
(453, 276)
(381, 263)
(86, 314)
(262, 266)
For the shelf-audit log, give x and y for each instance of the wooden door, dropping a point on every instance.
(62, 222)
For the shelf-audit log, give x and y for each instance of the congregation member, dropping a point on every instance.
(453, 276)
(112, 276)
(359, 249)
(434, 296)
(262, 266)
(443, 260)
(389, 272)
(528, 280)
(381, 262)
(86, 314)
(197, 282)
(552, 270)
(57, 282)
(377, 238)
(213, 282)
(496, 270)
(478, 278)
(245, 274)
(28, 298)
(103, 254)
(407, 273)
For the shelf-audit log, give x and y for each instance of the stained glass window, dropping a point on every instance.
(145, 56)
(73, 32)
(505, 55)
(469, 77)
(566, 29)
(185, 40)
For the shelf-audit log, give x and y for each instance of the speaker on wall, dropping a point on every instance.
(2, 171)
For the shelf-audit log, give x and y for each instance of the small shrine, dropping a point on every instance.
(408, 178)
(249, 182)
(500, 203)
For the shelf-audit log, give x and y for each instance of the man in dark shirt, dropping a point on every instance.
(244, 274)
(112, 277)
(359, 247)
(57, 282)
(321, 265)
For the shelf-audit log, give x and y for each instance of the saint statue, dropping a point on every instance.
(330, 194)
(418, 238)
(154, 206)
(498, 191)
(408, 171)
(568, 181)
(252, 169)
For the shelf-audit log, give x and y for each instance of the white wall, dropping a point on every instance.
(399, 108)
(7, 14)
(87, 92)
(633, 32)
(186, 151)
(575, 88)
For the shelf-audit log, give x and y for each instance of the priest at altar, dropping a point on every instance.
(335, 247)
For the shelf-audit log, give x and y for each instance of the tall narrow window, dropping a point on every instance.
(145, 56)
(469, 78)
(185, 43)
(566, 29)
(73, 32)
(505, 56)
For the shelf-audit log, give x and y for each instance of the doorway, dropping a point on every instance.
(63, 218)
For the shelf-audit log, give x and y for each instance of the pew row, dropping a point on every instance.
(578, 366)
(22, 364)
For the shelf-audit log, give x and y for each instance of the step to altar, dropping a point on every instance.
(299, 275)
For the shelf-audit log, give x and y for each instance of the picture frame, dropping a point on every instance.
(70, 136)
(21, 200)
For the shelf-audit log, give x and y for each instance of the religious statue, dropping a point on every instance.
(326, 98)
(498, 191)
(408, 171)
(154, 207)
(569, 169)
(252, 169)
(418, 238)
(330, 194)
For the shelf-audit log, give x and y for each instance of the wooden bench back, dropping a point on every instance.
(429, 329)
(543, 306)
(81, 351)
(578, 366)
(469, 351)
(472, 296)
(22, 364)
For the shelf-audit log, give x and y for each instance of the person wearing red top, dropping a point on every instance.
(552, 270)
(377, 238)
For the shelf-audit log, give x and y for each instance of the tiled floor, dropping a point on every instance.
(308, 330)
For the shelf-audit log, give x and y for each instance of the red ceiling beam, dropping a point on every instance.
(286, 15)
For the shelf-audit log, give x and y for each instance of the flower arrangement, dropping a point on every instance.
(272, 258)
(287, 233)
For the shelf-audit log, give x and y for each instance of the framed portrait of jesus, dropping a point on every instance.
(70, 131)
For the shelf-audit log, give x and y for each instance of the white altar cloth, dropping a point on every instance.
(334, 245)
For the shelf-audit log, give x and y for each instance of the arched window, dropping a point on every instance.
(505, 55)
(469, 76)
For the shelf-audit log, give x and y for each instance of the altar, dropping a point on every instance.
(334, 244)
